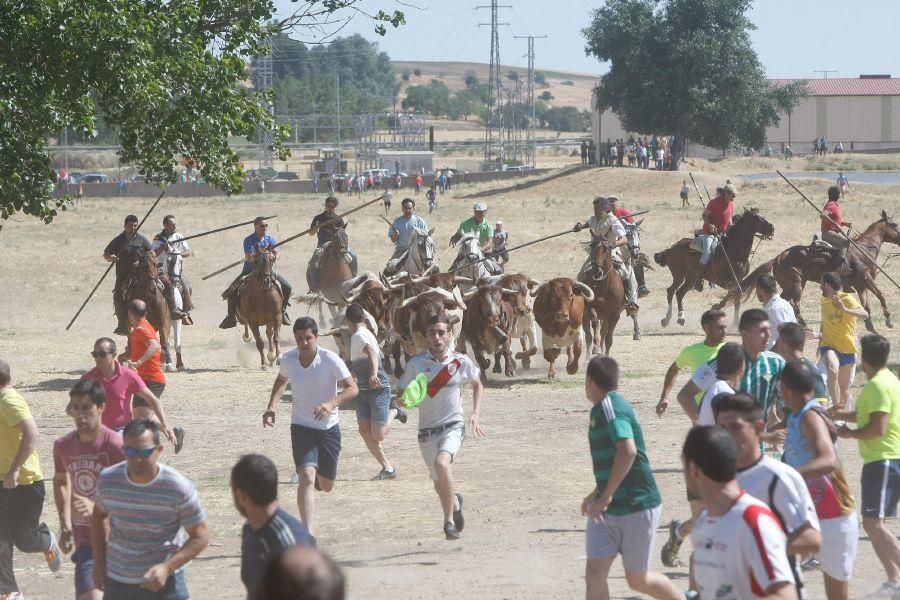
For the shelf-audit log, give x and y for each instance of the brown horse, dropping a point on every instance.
(334, 268)
(142, 283)
(602, 314)
(734, 250)
(799, 264)
(260, 303)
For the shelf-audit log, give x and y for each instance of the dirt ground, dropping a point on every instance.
(523, 483)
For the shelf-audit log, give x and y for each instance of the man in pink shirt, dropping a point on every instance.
(832, 221)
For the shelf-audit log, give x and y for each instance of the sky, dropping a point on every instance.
(794, 38)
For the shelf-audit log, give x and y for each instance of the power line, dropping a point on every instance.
(530, 153)
(495, 100)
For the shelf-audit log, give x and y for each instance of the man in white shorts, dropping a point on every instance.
(432, 381)
(778, 485)
(740, 550)
(315, 375)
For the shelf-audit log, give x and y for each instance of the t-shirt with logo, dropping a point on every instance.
(83, 461)
(13, 411)
(139, 341)
(760, 378)
(880, 394)
(119, 388)
(313, 385)
(613, 420)
(839, 328)
(739, 554)
(443, 402)
(360, 363)
(695, 356)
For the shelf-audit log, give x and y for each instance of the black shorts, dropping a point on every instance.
(317, 448)
(153, 386)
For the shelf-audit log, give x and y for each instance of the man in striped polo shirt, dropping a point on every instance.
(623, 509)
(762, 368)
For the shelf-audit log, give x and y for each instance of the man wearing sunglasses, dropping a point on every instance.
(253, 244)
(147, 507)
(119, 385)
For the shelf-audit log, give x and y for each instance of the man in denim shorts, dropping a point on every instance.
(432, 381)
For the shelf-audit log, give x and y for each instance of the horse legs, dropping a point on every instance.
(246, 336)
(636, 335)
(670, 292)
(259, 346)
(679, 295)
(871, 286)
(271, 355)
(609, 327)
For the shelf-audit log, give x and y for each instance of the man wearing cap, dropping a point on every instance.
(634, 251)
(606, 226)
(324, 226)
(478, 226)
(401, 231)
(716, 221)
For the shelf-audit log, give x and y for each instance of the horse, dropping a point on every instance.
(730, 262)
(470, 261)
(608, 301)
(796, 265)
(142, 283)
(334, 270)
(420, 256)
(175, 268)
(260, 303)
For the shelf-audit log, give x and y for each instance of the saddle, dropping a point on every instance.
(697, 246)
(320, 254)
(243, 284)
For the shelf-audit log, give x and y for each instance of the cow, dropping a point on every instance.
(559, 309)
(523, 325)
(411, 320)
(487, 325)
(376, 298)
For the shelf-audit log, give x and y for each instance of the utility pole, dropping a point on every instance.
(531, 144)
(494, 121)
(337, 85)
(263, 85)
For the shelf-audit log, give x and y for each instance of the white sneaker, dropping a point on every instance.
(52, 554)
(888, 589)
(12, 596)
(295, 478)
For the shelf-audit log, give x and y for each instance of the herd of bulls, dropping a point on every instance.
(488, 315)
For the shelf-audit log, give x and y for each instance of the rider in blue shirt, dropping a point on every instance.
(401, 231)
(253, 243)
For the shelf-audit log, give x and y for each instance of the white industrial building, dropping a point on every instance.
(862, 113)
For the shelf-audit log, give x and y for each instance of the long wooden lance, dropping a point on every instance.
(629, 215)
(111, 265)
(227, 227)
(301, 234)
(549, 237)
(839, 230)
(718, 235)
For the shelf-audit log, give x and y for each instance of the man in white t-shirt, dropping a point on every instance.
(730, 369)
(374, 410)
(739, 545)
(315, 375)
(775, 483)
(779, 310)
(432, 382)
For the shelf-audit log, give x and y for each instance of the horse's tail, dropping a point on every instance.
(660, 258)
(749, 282)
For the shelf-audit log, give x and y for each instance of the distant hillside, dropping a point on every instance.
(453, 74)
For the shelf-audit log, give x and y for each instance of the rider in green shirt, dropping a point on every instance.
(476, 225)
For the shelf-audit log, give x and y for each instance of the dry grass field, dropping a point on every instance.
(523, 483)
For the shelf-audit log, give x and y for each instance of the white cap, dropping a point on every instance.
(480, 207)
(498, 222)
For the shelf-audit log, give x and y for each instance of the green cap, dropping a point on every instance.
(415, 392)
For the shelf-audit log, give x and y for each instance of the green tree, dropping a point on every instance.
(688, 68)
(168, 78)
(546, 96)
(540, 78)
(417, 72)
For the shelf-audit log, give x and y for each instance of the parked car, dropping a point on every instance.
(288, 175)
(138, 179)
(94, 178)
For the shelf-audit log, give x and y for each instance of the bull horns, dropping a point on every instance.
(460, 279)
(588, 292)
(535, 291)
(532, 281)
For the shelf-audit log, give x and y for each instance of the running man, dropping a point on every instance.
(779, 310)
(842, 183)
(624, 507)
(740, 550)
(78, 458)
(315, 375)
(837, 340)
(432, 382)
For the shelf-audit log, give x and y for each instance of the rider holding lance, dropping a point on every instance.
(168, 246)
(832, 222)
(624, 216)
(606, 226)
(324, 225)
(476, 225)
(120, 246)
(716, 221)
(256, 242)
(401, 231)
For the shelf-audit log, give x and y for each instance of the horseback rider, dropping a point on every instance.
(716, 221)
(478, 226)
(624, 216)
(401, 231)
(324, 225)
(168, 246)
(115, 252)
(832, 222)
(606, 226)
(257, 241)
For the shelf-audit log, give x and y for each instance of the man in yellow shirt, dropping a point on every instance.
(837, 343)
(22, 492)
(877, 417)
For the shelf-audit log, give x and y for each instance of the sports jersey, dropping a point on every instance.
(613, 420)
(880, 394)
(839, 328)
(760, 378)
(782, 489)
(445, 404)
(312, 385)
(739, 554)
(706, 415)
(695, 356)
(281, 531)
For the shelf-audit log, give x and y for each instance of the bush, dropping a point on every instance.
(417, 72)
(546, 95)
(567, 82)
(405, 76)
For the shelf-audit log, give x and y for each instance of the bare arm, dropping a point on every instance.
(110, 258)
(29, 440)
(668, 383)
(99, 522)
(156, 407)
(475, 417)
(805, 540)
(824, 460)
(686, 400)
(372, 353)
(781, 591)
(626, 452)
(278, 389)
(62, 495)
(152, 348)
(875, 428)
(622, 240)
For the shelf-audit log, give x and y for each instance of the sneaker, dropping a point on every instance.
(888, 589)
(451, 531)
(385, 474)
(179, 438)
(458, 519)
(669, 553)
(52, 554)
(811, 565)
(401, 415)
(12, 596)
(295, 478)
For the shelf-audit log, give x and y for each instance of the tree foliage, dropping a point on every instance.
(168, 77)
(686, 67)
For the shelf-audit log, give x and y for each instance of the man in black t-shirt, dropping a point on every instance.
(324, 226)
(117, 252)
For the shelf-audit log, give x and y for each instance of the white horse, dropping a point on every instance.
(175, 269)
(470, 261)
(420, 256)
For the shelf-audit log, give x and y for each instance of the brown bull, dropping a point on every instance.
(487, 325)
(523, 328)
(411, 321)
(559, 309)
(375, 297)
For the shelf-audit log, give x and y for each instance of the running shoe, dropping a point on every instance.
(401, 416)
(385, 474)
(888, 589)
(458, 519)
(669, 553)
(52, 554)
(811, 565)
(451, 531)
(179, 438)
(12, 596)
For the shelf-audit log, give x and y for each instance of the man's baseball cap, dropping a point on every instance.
(730, 188)
(498, 222)
(480, 207)
(612, 198)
